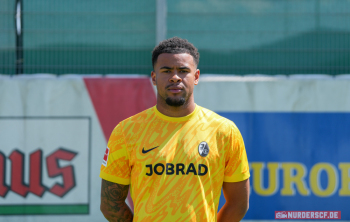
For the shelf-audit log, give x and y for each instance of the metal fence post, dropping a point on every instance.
(19, 36)
(161, 14)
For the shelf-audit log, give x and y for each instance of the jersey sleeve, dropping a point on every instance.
(236, 161)
(115, 164)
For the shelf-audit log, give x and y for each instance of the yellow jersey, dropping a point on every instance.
(175, 165)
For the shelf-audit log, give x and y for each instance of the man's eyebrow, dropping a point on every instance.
(166, 67)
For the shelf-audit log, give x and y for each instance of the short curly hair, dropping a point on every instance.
(175, 45)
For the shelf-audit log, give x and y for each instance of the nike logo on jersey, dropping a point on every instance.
(146, 151)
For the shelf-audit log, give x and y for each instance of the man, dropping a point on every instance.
(176, 156)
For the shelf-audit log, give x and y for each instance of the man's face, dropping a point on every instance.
(175, 76)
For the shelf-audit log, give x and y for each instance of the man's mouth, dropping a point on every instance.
(175, 89)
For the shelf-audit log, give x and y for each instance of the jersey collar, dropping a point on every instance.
(176, 119)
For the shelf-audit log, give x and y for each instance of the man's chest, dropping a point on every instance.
(176, 155)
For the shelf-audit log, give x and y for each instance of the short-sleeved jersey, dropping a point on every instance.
(176, 165)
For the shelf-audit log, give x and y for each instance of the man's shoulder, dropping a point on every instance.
(143, 116)
(212, 117)
(139, 118)
(127, 127)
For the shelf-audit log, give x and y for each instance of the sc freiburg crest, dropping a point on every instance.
(203, 149)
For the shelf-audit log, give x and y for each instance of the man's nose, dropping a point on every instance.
(175, 77)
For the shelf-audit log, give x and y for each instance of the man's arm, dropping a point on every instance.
(237, 201)
(113, 204)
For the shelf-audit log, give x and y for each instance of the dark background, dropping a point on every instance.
(233, 36)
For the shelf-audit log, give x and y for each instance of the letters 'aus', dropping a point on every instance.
(35, 185)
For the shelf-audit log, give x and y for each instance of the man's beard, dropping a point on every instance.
(175, 102)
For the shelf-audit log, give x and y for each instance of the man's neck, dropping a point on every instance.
(176, 111)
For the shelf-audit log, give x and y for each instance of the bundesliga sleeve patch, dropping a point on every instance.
(105, 157)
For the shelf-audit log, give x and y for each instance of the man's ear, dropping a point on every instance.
(153, 76)
(196, 76)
